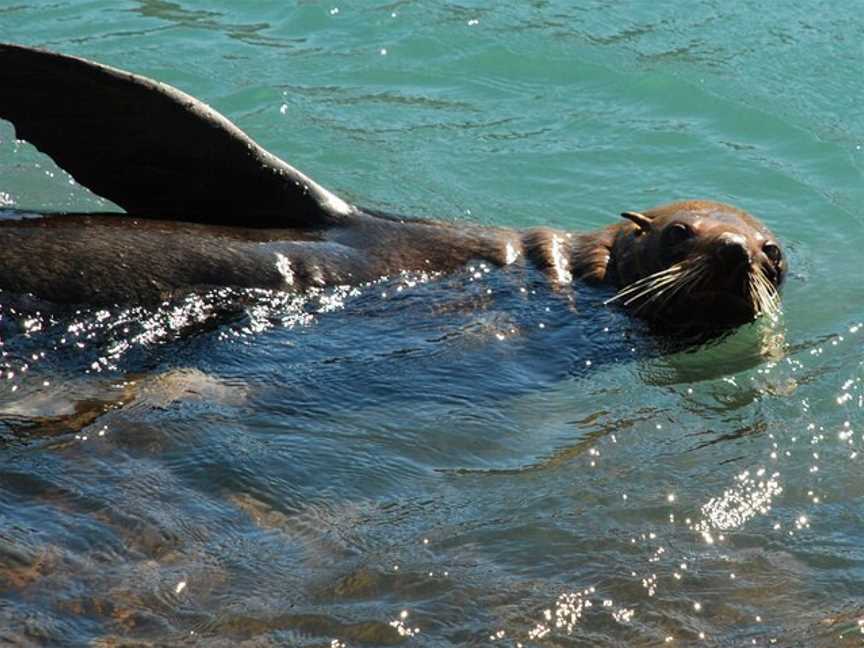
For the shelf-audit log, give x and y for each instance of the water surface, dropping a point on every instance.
(466, 460)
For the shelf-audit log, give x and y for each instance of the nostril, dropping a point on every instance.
(732, 250)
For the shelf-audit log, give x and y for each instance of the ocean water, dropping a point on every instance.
(463, 460)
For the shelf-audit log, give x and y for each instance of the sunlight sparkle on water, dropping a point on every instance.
(748, 498)
(402, 627)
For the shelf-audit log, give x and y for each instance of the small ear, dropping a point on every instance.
(641, 220)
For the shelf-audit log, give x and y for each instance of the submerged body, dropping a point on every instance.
(212, 208)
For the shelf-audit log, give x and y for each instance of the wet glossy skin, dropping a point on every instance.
(106, 259)
(102, 259)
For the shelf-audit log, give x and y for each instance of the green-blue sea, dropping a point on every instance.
(464, 460)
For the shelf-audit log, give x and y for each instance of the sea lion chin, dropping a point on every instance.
(207, 206)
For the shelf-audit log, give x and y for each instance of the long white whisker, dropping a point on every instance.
(649, 283)
(770, 298)
(689, 279)
(659, 285)
(691, 274)
(651, 277)
(755, 298)
(763, 294)
(771, 288)
(694, 277)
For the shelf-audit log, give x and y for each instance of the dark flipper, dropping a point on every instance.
(151, 149)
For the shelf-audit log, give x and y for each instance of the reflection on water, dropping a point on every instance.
(465, 460)
(371, 465)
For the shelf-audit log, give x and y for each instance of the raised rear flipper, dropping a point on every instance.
(152, 149)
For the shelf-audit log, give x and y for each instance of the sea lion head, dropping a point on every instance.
(697, 264)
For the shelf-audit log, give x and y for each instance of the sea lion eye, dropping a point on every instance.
(772, 251)
(677, 233)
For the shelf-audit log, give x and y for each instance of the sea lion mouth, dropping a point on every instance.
(719, 298)
(703, 313)
(719, 308)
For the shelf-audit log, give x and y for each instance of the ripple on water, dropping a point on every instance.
(465, 460)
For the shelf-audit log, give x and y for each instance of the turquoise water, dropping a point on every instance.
(422, 462)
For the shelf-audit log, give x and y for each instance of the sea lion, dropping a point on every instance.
(207, 206)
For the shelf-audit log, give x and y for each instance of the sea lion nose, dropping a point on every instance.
(732, 250)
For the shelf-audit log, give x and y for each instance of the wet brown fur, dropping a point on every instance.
(107, 259)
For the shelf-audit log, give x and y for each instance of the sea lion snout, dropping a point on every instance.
(732, 251)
